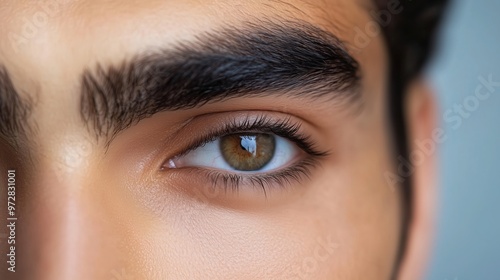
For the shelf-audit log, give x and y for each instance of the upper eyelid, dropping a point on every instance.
(261, 123)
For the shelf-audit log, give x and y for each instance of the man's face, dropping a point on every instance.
(199, 140)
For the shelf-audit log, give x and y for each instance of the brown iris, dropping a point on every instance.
(247, 151)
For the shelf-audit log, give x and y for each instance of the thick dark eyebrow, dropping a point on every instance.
(292, 58)
(14, 109)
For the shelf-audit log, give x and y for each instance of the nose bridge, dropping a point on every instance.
(54, 229)
(62, 232)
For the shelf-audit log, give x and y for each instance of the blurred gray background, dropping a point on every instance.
(468, 239)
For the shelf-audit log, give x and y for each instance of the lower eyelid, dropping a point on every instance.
(263, 184)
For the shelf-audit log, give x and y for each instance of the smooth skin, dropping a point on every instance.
(87, 211)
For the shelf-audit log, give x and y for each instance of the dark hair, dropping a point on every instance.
(410, 38)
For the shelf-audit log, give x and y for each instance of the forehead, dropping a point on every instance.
(88, 30)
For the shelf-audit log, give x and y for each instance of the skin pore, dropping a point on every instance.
(94, 206)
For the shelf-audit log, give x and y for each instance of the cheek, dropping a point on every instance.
(198, 242)
(338, 227)
(356, 210)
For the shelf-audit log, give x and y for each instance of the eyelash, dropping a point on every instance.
(262, 124)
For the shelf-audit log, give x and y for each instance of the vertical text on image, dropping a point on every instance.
(11, 220)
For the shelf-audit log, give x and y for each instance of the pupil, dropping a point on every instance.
(249, 144)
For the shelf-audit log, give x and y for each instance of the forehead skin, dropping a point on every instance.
(77, 224)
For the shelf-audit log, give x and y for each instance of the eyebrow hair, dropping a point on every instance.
(292, 58)
(14, 109)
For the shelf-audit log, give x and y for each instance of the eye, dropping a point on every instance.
(242, 152)
(248, 151)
